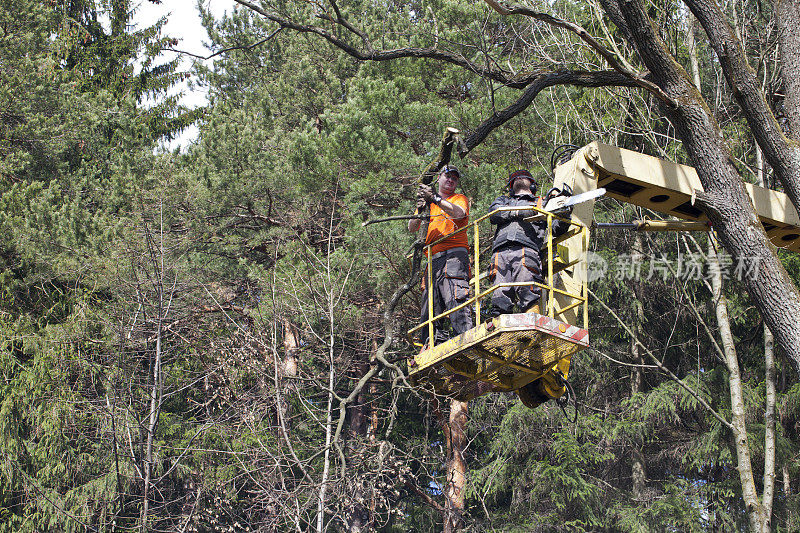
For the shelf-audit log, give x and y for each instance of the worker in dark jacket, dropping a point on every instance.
(517, 246)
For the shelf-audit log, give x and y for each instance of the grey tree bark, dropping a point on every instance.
(456, 473)
(787, 15)
(724, 200)
(756, 514)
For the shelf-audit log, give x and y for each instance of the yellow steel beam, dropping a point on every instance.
(669, 188)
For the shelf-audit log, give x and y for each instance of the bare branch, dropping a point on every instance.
(229, 49)
(386, 55)
(639, 78)
(603, 78)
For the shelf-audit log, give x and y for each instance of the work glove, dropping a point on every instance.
(425, 192)
(420, 203)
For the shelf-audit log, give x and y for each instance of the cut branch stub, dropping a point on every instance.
(445, 152)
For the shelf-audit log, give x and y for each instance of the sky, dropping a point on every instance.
(183, 23)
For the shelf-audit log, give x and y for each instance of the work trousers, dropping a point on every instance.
(450, 274)
(514, 263)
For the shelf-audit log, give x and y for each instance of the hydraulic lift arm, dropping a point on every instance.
(655, 225)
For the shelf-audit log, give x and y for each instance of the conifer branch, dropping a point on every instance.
(663, 368)
(58, 507)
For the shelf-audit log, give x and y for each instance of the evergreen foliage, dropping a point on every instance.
(178, 331)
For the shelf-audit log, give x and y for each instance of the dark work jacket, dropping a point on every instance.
(515, 230)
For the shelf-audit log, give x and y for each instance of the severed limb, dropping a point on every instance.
(389, 219)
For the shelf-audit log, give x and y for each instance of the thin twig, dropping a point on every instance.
(585, 36)
(229, 49)
(663, 368)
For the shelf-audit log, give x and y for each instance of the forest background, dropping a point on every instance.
(195, 341)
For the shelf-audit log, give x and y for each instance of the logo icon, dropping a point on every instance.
(596, 266)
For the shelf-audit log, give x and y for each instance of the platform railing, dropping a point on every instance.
(478, 272)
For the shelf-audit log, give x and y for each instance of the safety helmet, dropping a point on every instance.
(518, 174)
(450, 168)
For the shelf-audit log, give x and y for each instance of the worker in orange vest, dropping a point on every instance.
(449, 259)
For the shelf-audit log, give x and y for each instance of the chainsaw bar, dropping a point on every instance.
(574, 200)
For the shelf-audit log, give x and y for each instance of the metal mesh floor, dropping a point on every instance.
(504, 356)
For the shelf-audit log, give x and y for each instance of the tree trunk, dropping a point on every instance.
(787, 14)
(326, 464)
(288, 374)
(359, 516)
(755, 510)
(291, 345)
(372, 436)
(152, 424)
(770, 393)
(374, 416)
(357, 411)
(456, 466)
(724, 200)
(691, 45)
(157, 385)
(791, 516)
(769, 428)
(638, 472)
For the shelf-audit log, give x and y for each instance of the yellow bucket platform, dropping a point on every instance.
(503, 354)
